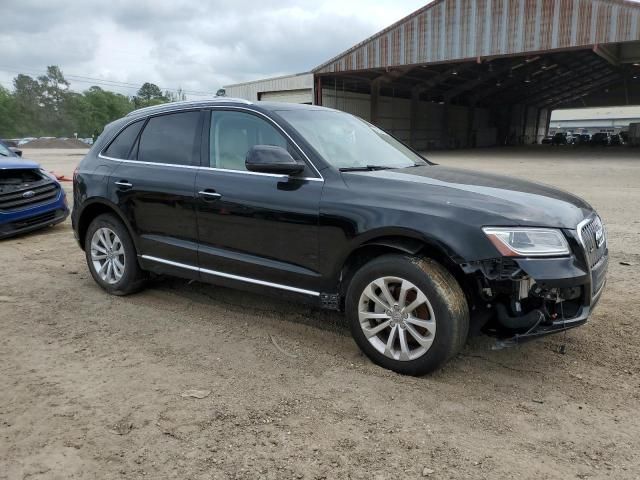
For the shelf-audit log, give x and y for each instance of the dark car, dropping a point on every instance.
(600, 139)
(559, 139)
(324, 207)
(547, 140)
(624, 136)
(615, 140)
(583, 139)
(30, 198)
(11, 146)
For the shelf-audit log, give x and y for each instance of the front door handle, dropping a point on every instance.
(209, 195)
(124, 185)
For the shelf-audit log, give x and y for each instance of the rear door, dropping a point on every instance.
(262, 228)
(154, 189)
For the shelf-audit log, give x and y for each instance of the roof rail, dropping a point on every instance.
(187, 103)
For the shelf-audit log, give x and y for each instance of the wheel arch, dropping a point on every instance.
(98, 207)
(411, 243)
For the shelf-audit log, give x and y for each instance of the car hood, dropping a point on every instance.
(13, 163)
(487, 199)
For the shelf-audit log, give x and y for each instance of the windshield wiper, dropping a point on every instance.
(4, 154)
(364, 168)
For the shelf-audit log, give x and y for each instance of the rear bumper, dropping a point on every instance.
(25, 221)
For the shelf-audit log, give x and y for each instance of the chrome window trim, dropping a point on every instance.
(193, 167)
(320, 178)
(231, 276)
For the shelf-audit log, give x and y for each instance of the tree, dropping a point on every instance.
(54, 92)
(27, 92)
(104, 107)
(7, 114)
(149, 94)
(47, 106)
(150, 91)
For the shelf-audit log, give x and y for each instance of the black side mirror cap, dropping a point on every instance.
(272, 159)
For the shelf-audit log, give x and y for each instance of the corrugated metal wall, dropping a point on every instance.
(251, 90)
(450, 30)
(355, 103)
(438, 126)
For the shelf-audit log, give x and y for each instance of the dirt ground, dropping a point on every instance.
(90, 385)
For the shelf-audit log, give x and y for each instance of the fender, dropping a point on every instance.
(399, 239)
(83, 223)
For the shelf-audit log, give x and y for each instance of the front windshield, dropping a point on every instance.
(5, 152)
(346, 141)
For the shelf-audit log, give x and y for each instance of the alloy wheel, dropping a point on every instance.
(397, 318)
(107, 255)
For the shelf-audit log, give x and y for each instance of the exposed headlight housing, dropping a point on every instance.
(528, 242)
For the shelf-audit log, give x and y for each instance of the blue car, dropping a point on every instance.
(30, 198)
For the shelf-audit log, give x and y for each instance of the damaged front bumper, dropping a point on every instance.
(522, 299)
(592, 289)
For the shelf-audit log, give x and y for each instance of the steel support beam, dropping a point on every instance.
(579, 92)
(608, 53)
(547, 82)
(442, 77)
(568, 86)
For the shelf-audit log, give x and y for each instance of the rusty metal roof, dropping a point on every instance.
(458, 30)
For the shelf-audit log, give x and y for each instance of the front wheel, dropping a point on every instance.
(407, 314)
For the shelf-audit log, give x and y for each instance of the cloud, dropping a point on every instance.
(196, 45)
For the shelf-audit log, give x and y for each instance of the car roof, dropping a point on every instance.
(220, 101)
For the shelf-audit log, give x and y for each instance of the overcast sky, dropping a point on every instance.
(198, 45)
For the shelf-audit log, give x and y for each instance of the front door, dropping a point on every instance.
(154, 188)
(256, 228)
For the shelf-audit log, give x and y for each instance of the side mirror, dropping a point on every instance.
(271, 159)
(16, 151)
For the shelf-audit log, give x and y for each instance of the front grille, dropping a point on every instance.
(594, 240)
(38, 219)
(28, 197)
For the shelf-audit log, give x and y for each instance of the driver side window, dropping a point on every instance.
(234, 133)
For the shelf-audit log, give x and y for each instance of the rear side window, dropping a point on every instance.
(170, 139)
(123, 143)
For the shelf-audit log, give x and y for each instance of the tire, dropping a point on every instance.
(117, 281)
(441, 322)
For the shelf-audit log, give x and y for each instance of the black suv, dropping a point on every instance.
(324, 207)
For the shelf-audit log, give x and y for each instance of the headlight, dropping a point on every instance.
(528, 242)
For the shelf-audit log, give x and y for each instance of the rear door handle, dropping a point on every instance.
(124, 184)
(209, 195)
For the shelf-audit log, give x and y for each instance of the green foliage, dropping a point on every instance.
(45, 106)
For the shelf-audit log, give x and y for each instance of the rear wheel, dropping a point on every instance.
(407, 314)
(111, 256)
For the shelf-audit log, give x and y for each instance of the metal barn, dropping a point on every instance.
(464, 73)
